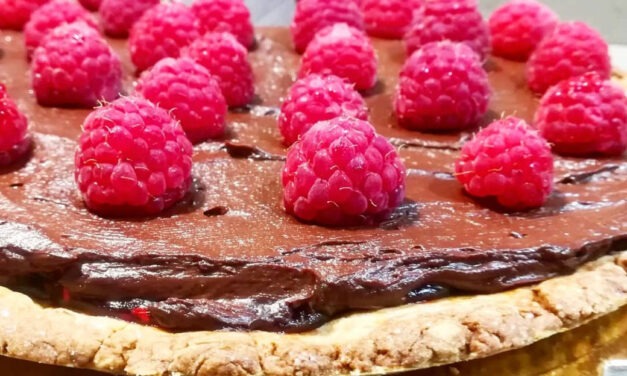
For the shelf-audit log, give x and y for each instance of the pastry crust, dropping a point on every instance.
(402, 338)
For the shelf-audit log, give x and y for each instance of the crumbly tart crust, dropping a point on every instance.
(409, 337)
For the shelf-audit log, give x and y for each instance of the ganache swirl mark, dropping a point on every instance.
(440, 175)
(242, 151)
(257, 110)
(216, 211)
(584, 177)
(436, 145)
(405, 215)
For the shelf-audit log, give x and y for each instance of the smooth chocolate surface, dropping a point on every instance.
(229, 256)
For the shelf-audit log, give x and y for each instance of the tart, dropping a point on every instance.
(226, 283)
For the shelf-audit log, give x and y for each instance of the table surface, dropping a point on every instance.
(579, 352)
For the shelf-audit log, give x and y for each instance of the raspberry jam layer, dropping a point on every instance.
(229, 256)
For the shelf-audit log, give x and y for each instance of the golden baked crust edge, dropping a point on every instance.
(389, 340)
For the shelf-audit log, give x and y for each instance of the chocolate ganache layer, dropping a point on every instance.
(229, 256)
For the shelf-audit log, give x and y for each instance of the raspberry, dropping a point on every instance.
(190, 93)
(518, 26)
(161, 32)
(15, 140)
(389, 18)
(454, 20)
(314, 15)
(66, 296)
(75, 67)
(226, 59)
(315, 98)
(573, 49)
(14, 14)
(584, 115)
(510, 161)
(49, 16)
(119, 16)
(92, 5)
(141, 314)
(342, 173)
(132, 159)
(230, 16)
(343, 51)
(442, 87)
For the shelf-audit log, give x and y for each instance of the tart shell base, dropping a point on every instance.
(390, 340)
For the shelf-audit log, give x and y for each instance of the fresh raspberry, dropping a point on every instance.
(141, 314)
(342, 173)
(15, 140)
(584, 115)
(231, 16)
(66, 295)
(14, 14)
(454, 20)
(92, 5)
(389, 18)
(314, 15)
(161, 32)
(119, 16)
(227, 61)
(190, 93)
(49, 16)
(510, 161)
(75, 66)
(442, 87)
(518, 26)
(343, 51)
(315, 98)
(573, 49)
(132, 159)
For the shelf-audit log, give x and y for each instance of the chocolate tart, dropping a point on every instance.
(229, 258)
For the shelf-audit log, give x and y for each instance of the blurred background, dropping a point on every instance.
(607, 16)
